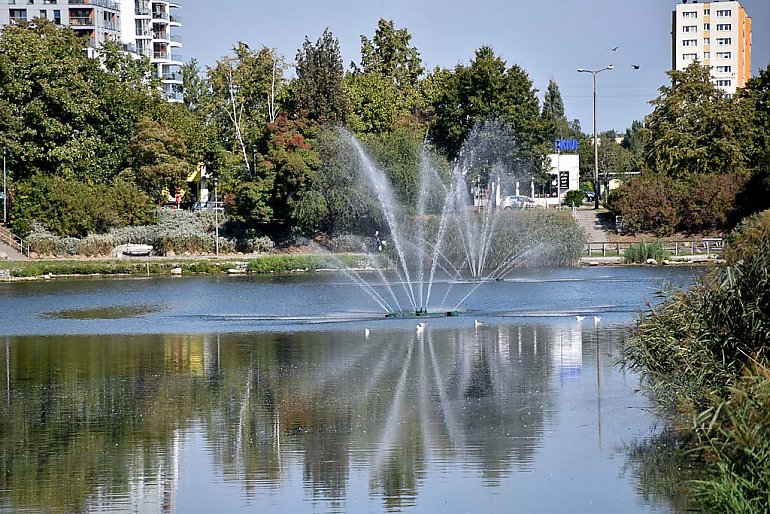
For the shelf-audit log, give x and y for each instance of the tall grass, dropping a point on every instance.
(643, 251)
(704, 354)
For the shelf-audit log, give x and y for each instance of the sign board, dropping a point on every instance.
(566, 145)
(564, 180)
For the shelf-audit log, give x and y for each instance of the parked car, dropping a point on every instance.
(589, 196)
(517, 202)
(208, 206)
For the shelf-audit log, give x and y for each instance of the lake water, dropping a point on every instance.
(241, 394)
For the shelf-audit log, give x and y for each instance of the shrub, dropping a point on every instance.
(648, 203)
(643, 251)
(574, 198)
(261, 244)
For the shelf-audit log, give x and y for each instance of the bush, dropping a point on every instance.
(648, 203)
(643, 251)
(574, 198)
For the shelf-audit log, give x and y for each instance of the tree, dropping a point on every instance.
(64, 113)
(389, 55)
(488, 89)
(695, 128)
(159, 158)
(318, 89)
(553, 112)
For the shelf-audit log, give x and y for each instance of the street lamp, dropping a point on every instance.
(216, 221)
(5, 191)
(596, 139)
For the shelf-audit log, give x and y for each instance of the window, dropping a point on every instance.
(724, 55)
(724, 13)
(689, 42)
(724, 41)
(706, 40)
(707, 55)
(690, 28)
(707, 26)
(17, 15)
(30, 2)
(724, 69)
(689, 57)
(706, 12)
(57, 16)
(724, 83)
(43, 13)
(724, 26)
(690, 14)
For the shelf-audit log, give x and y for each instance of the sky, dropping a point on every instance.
(549, 39)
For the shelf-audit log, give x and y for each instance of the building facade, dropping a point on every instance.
(143, 27)
(716, 34)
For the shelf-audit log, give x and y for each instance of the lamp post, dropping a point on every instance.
(5, 190)
(594, 73)
(216, 220)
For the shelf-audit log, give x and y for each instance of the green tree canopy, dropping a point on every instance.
(695, 128)
(388, 54)
(318, 89)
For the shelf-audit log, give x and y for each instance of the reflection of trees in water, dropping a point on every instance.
(663, 468)
(110, 410)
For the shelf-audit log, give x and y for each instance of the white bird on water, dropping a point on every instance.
(597, 319)
(421, 326)
(478, 323)
(580, 318)
(366, 333)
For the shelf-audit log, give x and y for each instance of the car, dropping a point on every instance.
(589, 196)
(209, 206)
(517, 202)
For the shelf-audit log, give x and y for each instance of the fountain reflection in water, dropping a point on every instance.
(449, 239)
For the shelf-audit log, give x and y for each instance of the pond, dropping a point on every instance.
(294, 394)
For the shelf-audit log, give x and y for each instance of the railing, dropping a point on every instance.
(159, 16)
(109, 4)
(172, 76)
(707, 246)
(175, 18)
(78, 21)
(15, 242)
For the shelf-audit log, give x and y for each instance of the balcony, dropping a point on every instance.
(80, 21)
(174, 18)
(107, 4)
(172, 77)
(159, 16)
(162, 36)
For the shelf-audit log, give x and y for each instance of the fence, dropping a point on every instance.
(14, 241)
(705, 246)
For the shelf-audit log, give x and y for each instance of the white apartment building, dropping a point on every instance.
(716, 34)
(144, 27)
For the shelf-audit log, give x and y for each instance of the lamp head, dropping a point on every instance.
(610, 66)
(582, 70)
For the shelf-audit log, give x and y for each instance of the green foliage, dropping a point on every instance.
(489, 89)
(63, 113)
(663, 206)
(158, 158)
(68, 207)
(552, 112)
(696, 129)
(389, 55)
(641, 252)
(733, 433)
(318, 88)
(574, 198)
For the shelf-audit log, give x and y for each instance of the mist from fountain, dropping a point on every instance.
(420, 249)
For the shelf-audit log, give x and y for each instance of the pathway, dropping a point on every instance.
(589, 220)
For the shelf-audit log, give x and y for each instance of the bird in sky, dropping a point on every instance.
(614, 49)
(635, 66)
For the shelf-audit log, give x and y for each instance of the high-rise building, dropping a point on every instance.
(144, 27)
(716, 34)
(148, 25)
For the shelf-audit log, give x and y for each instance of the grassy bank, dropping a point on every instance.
(203, 265)
(704, 356)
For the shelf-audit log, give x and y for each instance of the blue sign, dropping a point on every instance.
(566, 145)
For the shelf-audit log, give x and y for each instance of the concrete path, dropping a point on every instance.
(12, 253)
(588, 219)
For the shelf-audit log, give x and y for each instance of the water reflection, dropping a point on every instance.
(400, 413)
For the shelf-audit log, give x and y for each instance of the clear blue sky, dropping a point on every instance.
(549, 39)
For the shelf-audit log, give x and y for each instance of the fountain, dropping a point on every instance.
(447, 238)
